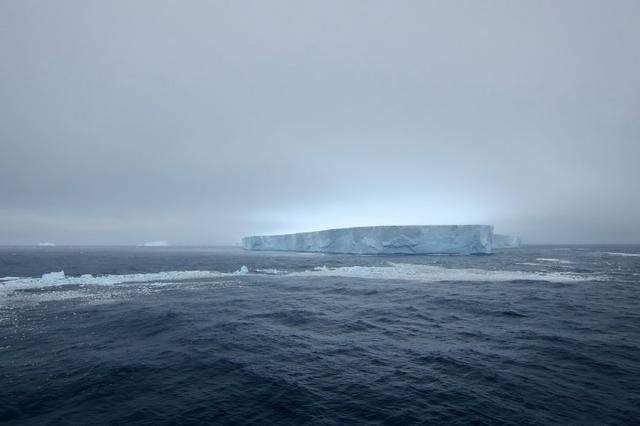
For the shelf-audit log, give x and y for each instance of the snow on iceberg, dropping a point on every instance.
(434, 239)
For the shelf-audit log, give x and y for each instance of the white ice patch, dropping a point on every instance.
(271, 271)
(53, 276)
(549, 259)
(59, 278)
(615, 253)
(429, 273)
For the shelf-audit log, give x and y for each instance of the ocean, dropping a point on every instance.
(187, 335)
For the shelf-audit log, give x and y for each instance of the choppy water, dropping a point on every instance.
(535, 335)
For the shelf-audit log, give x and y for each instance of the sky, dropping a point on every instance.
(204, 121)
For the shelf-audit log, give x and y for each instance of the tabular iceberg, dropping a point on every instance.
(505, 241)
(155, 244)
(435, 239)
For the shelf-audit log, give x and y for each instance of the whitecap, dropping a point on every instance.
(271, 271)
(549, 259)
(616, 253)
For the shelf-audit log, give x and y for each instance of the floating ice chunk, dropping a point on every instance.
(242, 271)
(46, 244)
(431, 273)
(271, 271)
(59, 278)
(53, 276)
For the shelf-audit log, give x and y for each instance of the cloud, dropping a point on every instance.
(124, 122)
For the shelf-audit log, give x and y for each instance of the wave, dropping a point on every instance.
(271, 271)
(429, 273)
(616, 253)
(551, 259)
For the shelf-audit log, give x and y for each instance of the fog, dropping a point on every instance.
(201, 122)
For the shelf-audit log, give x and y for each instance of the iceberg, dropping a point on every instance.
(418, 239)
(501, 241)
(155, 244)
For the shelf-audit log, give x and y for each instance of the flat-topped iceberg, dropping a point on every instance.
(506, 241)
(155, 244)
(428, 239)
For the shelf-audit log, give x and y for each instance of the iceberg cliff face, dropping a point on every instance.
(506, 241)
(441, 239)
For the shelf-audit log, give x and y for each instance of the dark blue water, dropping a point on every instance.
(536, 335)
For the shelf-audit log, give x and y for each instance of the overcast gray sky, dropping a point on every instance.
(199, 122)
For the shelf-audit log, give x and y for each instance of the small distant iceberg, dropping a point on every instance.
(46, 244)
(155, 244)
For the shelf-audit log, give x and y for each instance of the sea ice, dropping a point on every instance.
(434, 273)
